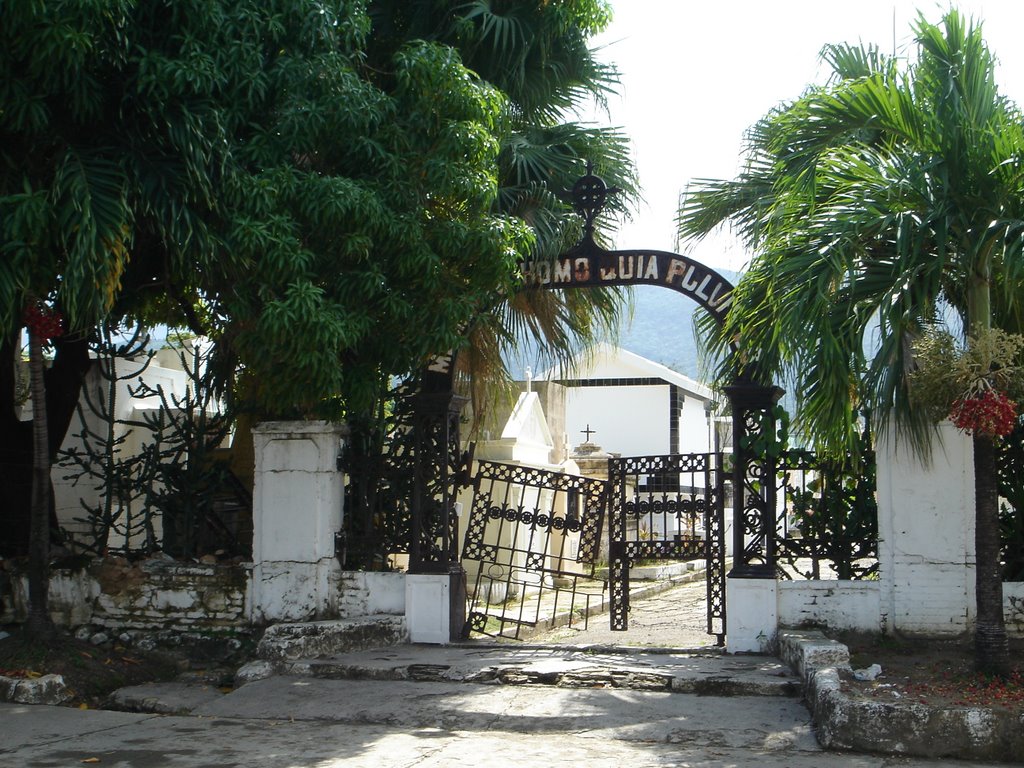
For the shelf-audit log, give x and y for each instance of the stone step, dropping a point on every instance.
(283, 643)
(705, 672)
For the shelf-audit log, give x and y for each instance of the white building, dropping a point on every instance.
(633, 406)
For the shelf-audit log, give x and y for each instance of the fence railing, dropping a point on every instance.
(827, 524)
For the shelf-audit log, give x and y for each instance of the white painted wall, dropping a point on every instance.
(926, 553)
(834, 604)
(163, 371)
(694, 435)
(926, 534)
(371, 593)
(629, 421)
(1013, 607)
(751, 615)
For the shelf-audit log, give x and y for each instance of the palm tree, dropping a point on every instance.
(875, 205)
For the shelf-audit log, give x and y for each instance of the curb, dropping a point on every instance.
(894, 728)
(671, 670)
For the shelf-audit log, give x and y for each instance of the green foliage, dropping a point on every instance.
(876, 204)
(238, 168)
(836, 511)
(771, 438)
(873, 203)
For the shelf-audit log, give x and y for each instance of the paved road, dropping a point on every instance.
(309, 722)
(292, 722)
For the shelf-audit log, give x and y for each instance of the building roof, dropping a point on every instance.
(606, 361)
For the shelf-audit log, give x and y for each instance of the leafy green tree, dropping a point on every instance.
(323, 188)
(242, 169)
(874, 205)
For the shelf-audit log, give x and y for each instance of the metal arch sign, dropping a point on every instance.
(589, 265)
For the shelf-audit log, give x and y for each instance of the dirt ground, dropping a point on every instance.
(933, 672)
(91, 672)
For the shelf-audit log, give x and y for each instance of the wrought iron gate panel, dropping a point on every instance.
(531, 535)
(671, 508)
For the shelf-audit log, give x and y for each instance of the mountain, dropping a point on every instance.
(662, 327)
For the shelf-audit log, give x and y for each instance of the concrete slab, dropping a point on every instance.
(164, 698)
(27, 724)
(645, 716)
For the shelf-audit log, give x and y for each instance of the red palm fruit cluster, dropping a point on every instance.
(45, 322)
(989, 413)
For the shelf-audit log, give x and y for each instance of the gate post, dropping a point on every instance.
(751, 600)
(436, 582)
(297, 509)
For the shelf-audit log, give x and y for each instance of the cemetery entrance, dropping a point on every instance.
(534, 534)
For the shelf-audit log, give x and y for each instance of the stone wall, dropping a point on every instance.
(152, 594)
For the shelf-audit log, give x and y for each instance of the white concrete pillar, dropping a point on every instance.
(752, 614)
(926, 534)
(297, 509)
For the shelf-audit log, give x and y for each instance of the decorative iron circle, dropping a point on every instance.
(589, 195)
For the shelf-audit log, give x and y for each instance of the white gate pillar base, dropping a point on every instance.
(297, 507)
(752, 615)
(428, 607)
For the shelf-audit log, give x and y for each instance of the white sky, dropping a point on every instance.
(696, 74)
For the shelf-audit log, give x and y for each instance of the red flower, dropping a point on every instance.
(45, 322)
(990, 413)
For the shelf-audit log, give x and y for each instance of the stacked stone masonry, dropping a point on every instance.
(151, 594)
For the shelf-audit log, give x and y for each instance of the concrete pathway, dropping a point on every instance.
(673, 618)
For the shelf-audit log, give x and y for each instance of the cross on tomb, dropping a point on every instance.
(588, 432)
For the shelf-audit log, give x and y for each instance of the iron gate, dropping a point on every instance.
(667, 508)
(531, 542)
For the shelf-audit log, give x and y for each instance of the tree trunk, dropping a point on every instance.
(39, 623)
(990, 643)
(63, 384)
